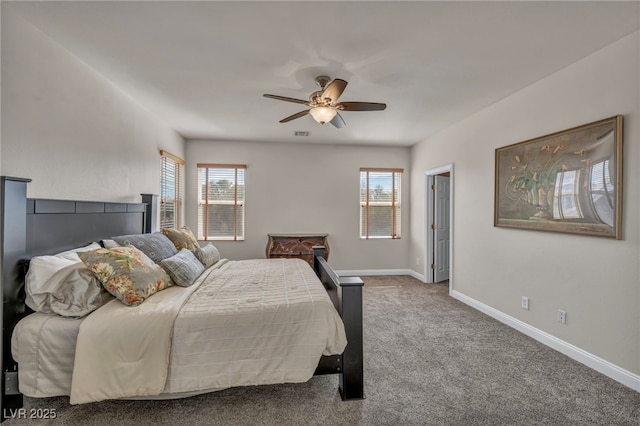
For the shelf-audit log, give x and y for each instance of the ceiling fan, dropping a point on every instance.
(324, 105)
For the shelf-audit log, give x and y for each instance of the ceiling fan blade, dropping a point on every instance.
(294, 116)
(360, 106)
(284, 98)
(334, 89)
(338, 121)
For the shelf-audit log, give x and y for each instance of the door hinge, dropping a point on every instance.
(434, 187)
(433, 226)
(433, 266)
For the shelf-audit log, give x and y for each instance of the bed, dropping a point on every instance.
(323, 325)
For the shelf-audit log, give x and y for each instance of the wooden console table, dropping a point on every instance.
(296, 245)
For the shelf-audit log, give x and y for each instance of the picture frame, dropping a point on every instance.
(569, 181)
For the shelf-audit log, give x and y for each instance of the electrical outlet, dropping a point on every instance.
(562, 316)
(525, 303)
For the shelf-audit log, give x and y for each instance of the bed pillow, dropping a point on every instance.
(109, 244)
(127, 273)
(183, 268)
(61, 284)
(182, 238)
(207, 255)
(155, 245)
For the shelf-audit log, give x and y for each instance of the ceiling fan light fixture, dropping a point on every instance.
(323, 105)
(323, 114)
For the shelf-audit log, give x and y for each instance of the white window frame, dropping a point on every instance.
(238, 203)
(171, 175)
(394, 204)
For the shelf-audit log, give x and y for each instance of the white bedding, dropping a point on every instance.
(251, 322)
(123, 351)
(44, 346)
(273, 322)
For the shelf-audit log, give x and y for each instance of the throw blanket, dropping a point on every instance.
(123, 351)
(245, 323)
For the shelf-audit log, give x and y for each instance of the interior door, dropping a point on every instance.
(441, 229)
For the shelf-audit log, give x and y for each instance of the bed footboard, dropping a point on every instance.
(346, 295)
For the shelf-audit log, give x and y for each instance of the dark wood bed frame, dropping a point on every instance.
(32, 227)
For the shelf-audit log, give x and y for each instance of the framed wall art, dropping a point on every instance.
(569, 181)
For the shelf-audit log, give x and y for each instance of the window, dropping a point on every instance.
(380, 203)
(170, 193)
(221, 201)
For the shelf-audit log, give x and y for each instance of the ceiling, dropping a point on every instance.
(202, 67)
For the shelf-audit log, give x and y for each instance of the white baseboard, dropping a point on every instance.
(374, 272)
(417, 275)
(613, 371)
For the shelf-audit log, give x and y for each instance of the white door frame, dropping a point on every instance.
(429, 208)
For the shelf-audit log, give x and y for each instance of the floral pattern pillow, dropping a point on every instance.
(182, 238)
(127, 273)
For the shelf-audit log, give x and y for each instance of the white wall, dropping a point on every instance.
(293, 188)
(69, 129)
(596, 280)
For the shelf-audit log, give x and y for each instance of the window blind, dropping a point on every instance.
(221, 201)
(170, 190)
(380, 203)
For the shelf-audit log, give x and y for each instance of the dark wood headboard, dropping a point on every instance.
(32, 227)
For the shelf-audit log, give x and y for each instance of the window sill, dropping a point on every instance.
(380, 238)
(219, 239)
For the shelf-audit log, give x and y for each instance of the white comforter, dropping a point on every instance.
(244, 323)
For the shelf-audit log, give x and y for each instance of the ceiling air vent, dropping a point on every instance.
(301, 133)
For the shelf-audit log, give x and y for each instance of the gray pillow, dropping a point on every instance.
(183, 268)
(207, 255)
(155, 245)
